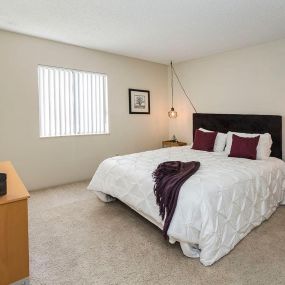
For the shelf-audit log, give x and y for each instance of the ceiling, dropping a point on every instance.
(157, 30)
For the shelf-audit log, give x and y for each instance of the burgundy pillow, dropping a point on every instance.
(244, 147)
(204, 140)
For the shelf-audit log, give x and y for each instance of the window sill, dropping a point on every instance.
(75, 135)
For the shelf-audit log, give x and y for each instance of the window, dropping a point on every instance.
(72, 102)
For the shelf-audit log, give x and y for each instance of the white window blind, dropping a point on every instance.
(72, 102)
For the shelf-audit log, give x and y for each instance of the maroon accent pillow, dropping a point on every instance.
(204, 140)
(244, 147)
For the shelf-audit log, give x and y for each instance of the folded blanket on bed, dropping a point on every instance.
(169, 176)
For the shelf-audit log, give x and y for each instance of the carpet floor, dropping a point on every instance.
(76, 239)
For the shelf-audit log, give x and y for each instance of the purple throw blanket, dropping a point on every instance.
(169, 176)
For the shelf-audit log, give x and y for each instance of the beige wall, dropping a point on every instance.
(245, 81)
(250, 80)
(53, 161)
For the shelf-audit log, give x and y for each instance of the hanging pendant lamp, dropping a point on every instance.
(172, 114)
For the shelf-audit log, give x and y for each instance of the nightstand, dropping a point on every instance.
(172, 143)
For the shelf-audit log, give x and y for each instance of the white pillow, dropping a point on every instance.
(263, 149)
(220, 141)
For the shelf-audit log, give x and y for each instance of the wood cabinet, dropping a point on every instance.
(14, 245)
(172, 143)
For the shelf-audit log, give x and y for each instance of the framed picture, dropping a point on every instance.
(139, 101)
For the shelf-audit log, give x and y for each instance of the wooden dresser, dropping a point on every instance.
(14, 243)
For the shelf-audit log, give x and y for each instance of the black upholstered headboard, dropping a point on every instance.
(257, 124)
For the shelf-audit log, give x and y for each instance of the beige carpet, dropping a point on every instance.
(76, 239)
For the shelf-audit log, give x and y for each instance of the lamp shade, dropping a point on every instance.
(172, 114)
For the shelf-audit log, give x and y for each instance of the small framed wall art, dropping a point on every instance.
(139, 101)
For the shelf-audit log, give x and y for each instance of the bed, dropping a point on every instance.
(216, 207)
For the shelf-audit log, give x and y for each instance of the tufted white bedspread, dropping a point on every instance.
(216, 208)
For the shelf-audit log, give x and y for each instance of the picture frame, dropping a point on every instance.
(139, 101)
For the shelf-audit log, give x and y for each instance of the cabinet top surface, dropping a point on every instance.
(174, 142)
(16, 190)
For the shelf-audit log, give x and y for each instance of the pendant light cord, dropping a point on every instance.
(184, 91)
(171, 84)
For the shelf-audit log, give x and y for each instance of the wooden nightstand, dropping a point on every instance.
(14, 244)
(172, 143)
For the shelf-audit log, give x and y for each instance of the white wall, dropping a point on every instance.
(245, 81)
(53, 161)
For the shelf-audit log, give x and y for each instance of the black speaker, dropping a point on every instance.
(3, 184)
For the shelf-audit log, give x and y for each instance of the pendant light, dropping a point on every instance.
(172, 114)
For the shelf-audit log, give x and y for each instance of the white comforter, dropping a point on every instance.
(217, 206)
